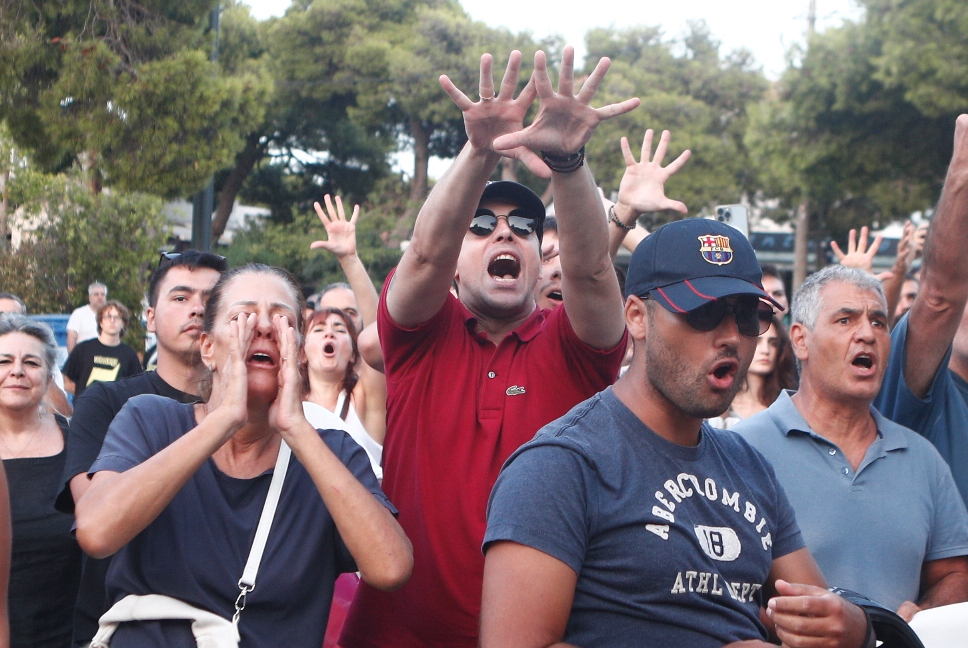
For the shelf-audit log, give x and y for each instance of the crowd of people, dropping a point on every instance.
(514, 444)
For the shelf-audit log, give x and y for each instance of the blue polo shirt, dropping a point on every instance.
(941, 416)
(870, 530)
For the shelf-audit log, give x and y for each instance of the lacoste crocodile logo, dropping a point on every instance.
(514, 390)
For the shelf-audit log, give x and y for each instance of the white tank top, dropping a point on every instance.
(320, 417)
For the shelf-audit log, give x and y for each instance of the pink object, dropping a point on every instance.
(343, 593)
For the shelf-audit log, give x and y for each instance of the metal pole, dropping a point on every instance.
(203, 203)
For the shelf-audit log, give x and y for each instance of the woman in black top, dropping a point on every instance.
(45, 561)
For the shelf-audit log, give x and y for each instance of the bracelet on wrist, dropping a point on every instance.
(564, 163)
(615, 219)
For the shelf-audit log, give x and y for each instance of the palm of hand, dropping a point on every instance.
(562, 126)
(341, 237)
(643, 189)
(488, 120)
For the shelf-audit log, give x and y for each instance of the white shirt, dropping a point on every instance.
(83, 321)
(323, 419)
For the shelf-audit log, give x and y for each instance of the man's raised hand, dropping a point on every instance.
(496, 113)
(565, 121)
(643, 185)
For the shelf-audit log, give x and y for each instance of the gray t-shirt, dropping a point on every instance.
(870, 530)
(671, 544)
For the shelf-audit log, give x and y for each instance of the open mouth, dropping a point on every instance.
(723, 374)
(329, 349)
(259, 358)
(555, 295)
(504, 267)
(864, 361)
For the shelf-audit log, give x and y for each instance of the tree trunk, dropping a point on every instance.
(801, 244)
(244, 164)
(4, 205)
(421, 159)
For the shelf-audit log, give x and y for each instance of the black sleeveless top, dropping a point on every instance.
(45, 566)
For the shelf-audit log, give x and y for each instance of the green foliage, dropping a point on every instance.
(689, 89)
(127, 87)
(836, 135)
(81, 237)
(925, 51)
(287, 245)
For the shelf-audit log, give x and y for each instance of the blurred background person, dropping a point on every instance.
(105, 358)
(773, 369)
(56, 399)
(82, 324)
(331, 360)
(45, 561)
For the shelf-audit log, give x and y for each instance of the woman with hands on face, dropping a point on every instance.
(178, 489)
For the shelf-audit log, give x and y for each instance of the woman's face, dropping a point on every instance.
(265, 295)
(329, 348)
(24, 376)
(767, 350)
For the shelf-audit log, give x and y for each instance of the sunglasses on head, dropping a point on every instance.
(520, 223)
(752, 316)
(168, 258)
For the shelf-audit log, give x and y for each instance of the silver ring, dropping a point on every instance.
(483, 98)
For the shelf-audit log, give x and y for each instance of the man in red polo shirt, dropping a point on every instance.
(471, 380)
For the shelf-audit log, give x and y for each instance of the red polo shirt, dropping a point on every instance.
(457, 407)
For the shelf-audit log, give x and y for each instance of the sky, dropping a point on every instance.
(768, 28)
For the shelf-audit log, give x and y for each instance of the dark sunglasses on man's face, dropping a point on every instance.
(752, 317)
(520, 223)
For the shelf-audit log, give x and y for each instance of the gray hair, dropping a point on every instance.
(806, 301)
(18, 323)
(97, 284)
(13, 297)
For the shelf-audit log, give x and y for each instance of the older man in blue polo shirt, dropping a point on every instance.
(876, 503)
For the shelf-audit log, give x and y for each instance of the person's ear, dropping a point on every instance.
(150, 319)
(799, 336)
(206, 349)
(636, 317)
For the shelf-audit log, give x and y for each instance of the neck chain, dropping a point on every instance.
(18, 454)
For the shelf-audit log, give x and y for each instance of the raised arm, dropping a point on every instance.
(937, 310)
(902, 262)
(564, 124)
(341, 241)
(642, 188)
(426, 270)
(372, 535)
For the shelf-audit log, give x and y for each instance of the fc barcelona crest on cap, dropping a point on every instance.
(715, 249)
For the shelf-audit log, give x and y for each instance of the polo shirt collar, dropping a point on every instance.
(788, 419)
(525, 331)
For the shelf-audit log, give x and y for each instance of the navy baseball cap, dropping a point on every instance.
(686, 264)
(518, 194)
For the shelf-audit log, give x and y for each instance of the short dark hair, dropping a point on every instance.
(770, 270)
(191, 259)
(11, 296)
(550, 223)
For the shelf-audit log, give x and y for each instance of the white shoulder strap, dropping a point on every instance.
(265, 522)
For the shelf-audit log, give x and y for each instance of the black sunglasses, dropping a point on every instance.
(168, 258)
(521, 224)
(752, 316)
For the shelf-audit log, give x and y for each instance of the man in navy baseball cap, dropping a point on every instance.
(631, 497)
(687, 264)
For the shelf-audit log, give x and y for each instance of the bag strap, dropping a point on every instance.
(247, 582)
(345, 409)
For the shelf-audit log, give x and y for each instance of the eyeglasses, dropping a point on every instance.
(521, 224)
(752, 317)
